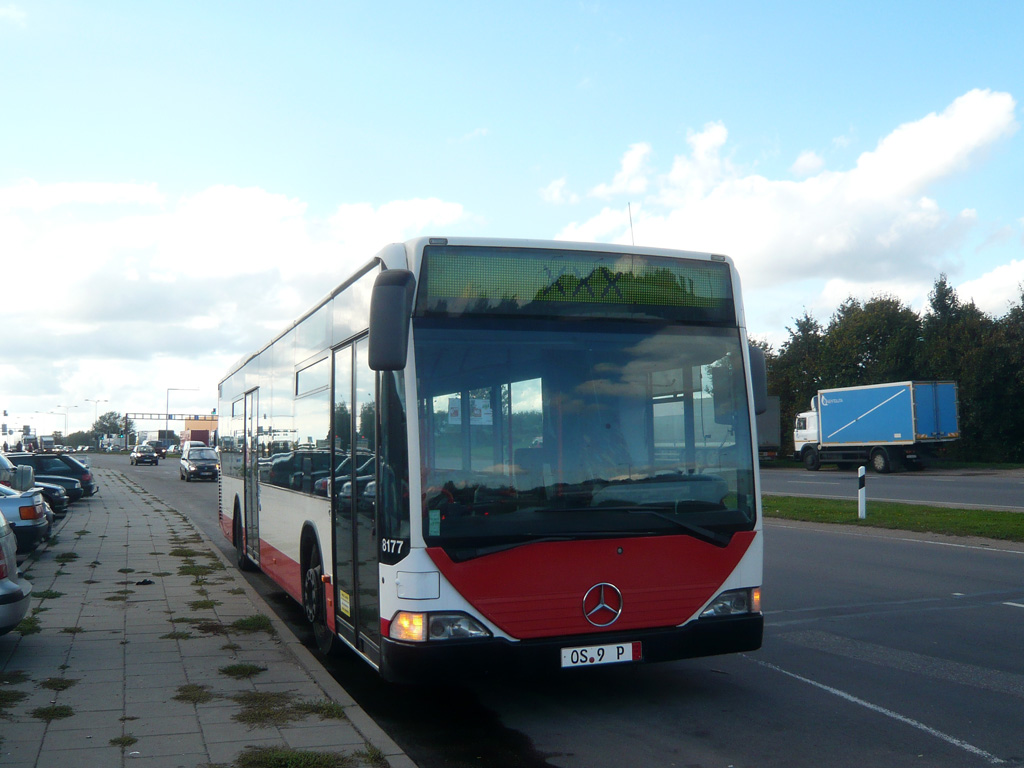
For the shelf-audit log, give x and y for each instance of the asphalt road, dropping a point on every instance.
(881, 649)
(969, 489)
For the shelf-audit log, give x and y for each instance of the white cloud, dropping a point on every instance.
(807, 164)
(873, 222)
(557, 193)
(146, 289)
(632, 176)
(997, 290)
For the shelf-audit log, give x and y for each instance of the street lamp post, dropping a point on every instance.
(66, 409)
(96, 415)
(167, 411)
(96, 408)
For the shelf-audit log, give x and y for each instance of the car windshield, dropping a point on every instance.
(539, 429)
(203, 453)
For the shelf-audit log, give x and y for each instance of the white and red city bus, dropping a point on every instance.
(499, 454)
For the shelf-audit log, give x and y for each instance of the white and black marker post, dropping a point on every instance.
(862, 494)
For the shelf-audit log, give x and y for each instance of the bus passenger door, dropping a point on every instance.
(356, 573)
(367, 569)
(251, 477)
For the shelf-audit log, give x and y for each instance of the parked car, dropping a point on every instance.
(199, 462)
(58, 492)
(62, 464)
(25, 512)
(55, 496)
(143, 454)
(15, 590)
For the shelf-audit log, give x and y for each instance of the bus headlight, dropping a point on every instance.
(734, 603)
(420, 627)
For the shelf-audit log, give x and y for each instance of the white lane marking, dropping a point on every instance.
(1015, 605)
(960, 743)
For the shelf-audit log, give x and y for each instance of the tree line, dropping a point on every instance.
(882, 340)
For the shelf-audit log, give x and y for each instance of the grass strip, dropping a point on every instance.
(921, 518)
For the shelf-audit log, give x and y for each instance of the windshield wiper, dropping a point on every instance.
(699, 532)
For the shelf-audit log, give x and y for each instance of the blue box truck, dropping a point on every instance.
(883, 425)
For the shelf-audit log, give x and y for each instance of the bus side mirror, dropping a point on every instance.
(759, 379)
(390, 313)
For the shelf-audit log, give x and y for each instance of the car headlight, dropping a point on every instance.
(735, 602)
(423, 627)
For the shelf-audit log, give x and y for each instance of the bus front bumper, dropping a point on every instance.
(454, 660)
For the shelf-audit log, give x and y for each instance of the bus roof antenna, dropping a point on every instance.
(629, 207)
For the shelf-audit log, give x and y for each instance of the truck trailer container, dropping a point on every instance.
(884, 425)
(769, 430)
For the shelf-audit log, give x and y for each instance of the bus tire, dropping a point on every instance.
(241, 558)
(811, 459)
(314, 602)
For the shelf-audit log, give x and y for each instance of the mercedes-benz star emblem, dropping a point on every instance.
(602, 604)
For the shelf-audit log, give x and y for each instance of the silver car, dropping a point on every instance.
(15, 591)
(26, 512)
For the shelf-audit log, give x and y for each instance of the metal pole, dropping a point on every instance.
(862, 494)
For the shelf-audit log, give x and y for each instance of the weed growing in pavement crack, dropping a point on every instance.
(53, 712)
(48, 594)
(123, 741)
(200, 605)
(326, 709)
(57, 683)
(257, 623)
(285, 757)
(66, 557)
(28, 626)
(72, 630)
(8, 700)
(242, 671)
(372, 755)
(265, 708)
(194, 694)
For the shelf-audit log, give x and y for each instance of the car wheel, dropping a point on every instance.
(188, 478)
(314, 602)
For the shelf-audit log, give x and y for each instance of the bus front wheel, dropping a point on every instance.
(314, 602)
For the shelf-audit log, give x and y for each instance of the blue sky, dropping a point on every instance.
(180, 180)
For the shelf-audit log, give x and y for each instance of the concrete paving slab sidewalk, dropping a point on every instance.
(145, 647)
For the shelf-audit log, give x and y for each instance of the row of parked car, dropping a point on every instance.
(35, 488)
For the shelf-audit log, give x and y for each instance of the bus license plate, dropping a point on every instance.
(615, 653)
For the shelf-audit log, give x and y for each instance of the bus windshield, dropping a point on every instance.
(554, 429)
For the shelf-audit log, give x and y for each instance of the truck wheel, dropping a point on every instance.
(811, 459)
(880, 461)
